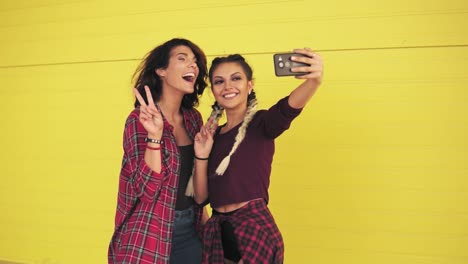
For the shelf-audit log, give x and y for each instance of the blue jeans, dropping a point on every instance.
(186, 246)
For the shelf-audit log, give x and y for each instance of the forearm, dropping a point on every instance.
(145, 168)
(302, 94)
(142, 168)
(200, 181)
(153, 153)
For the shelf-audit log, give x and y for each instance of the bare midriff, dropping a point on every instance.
(232, 207)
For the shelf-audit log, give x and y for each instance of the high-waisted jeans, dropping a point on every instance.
(186, 246)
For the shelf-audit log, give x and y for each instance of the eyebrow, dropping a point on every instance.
(186, 55)
(217, 76)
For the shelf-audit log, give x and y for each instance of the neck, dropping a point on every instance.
(234, 117)
(170, 104)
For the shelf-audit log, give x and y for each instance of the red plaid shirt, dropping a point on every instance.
(258, 238)
(146, 199)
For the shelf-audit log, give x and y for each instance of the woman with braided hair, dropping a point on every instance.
(233, 161)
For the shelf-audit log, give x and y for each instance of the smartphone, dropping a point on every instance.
(283, 64)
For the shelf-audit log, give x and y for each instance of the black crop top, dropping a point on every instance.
(186, 166)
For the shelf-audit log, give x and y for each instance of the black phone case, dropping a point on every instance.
(283, 64)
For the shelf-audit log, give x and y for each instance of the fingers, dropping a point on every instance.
(312, 75)
(211, 119)
(205, 131)
(213, 129)
(145, 115)
(149, 114)
(311, 59)
(154, 111)
(315, 68)
(212, 123)
(211, 126)
(138, 96)
(312, 72)
(306, 51)
(149, 96)
(208, 131)
(198, 137)
(149, 110)
(307, 69)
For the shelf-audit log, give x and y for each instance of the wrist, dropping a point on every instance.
(201, 158)
(156, 135)
(158, 147)
(153, 141)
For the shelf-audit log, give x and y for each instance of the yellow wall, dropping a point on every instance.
(374, 170)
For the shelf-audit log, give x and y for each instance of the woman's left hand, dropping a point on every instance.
(314, 72)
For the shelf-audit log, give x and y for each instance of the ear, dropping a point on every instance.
(250, 86)
(160, 72)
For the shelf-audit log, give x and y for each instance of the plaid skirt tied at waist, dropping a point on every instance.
(258, 238)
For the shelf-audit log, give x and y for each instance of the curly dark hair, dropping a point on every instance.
(158, 58)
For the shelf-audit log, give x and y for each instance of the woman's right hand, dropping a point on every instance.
(150, 117)
(204, 138)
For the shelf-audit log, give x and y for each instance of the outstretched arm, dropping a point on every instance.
(302, 94)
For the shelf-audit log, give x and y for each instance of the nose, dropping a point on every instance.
(228, 84)
(193, 64)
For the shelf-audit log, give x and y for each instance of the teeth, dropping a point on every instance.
(229, 95)
(189, 74)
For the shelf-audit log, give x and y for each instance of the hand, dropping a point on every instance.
(315, 70)
(204, 138)
(150, 117)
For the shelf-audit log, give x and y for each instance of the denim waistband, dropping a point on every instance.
(184, 213)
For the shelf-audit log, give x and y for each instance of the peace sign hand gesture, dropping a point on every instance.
(204, 138)
(150, 116)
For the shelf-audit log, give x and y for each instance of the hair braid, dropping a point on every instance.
(251, 110)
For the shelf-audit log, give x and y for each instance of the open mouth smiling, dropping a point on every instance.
(189, 77)
(230, 95)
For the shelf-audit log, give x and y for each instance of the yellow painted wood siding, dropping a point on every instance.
(375, 170)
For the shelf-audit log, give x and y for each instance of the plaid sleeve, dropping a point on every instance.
(145, 183)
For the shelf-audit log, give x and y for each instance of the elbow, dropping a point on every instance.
(148, 198)
(148, 194)
(200, 199)
(147, 187)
